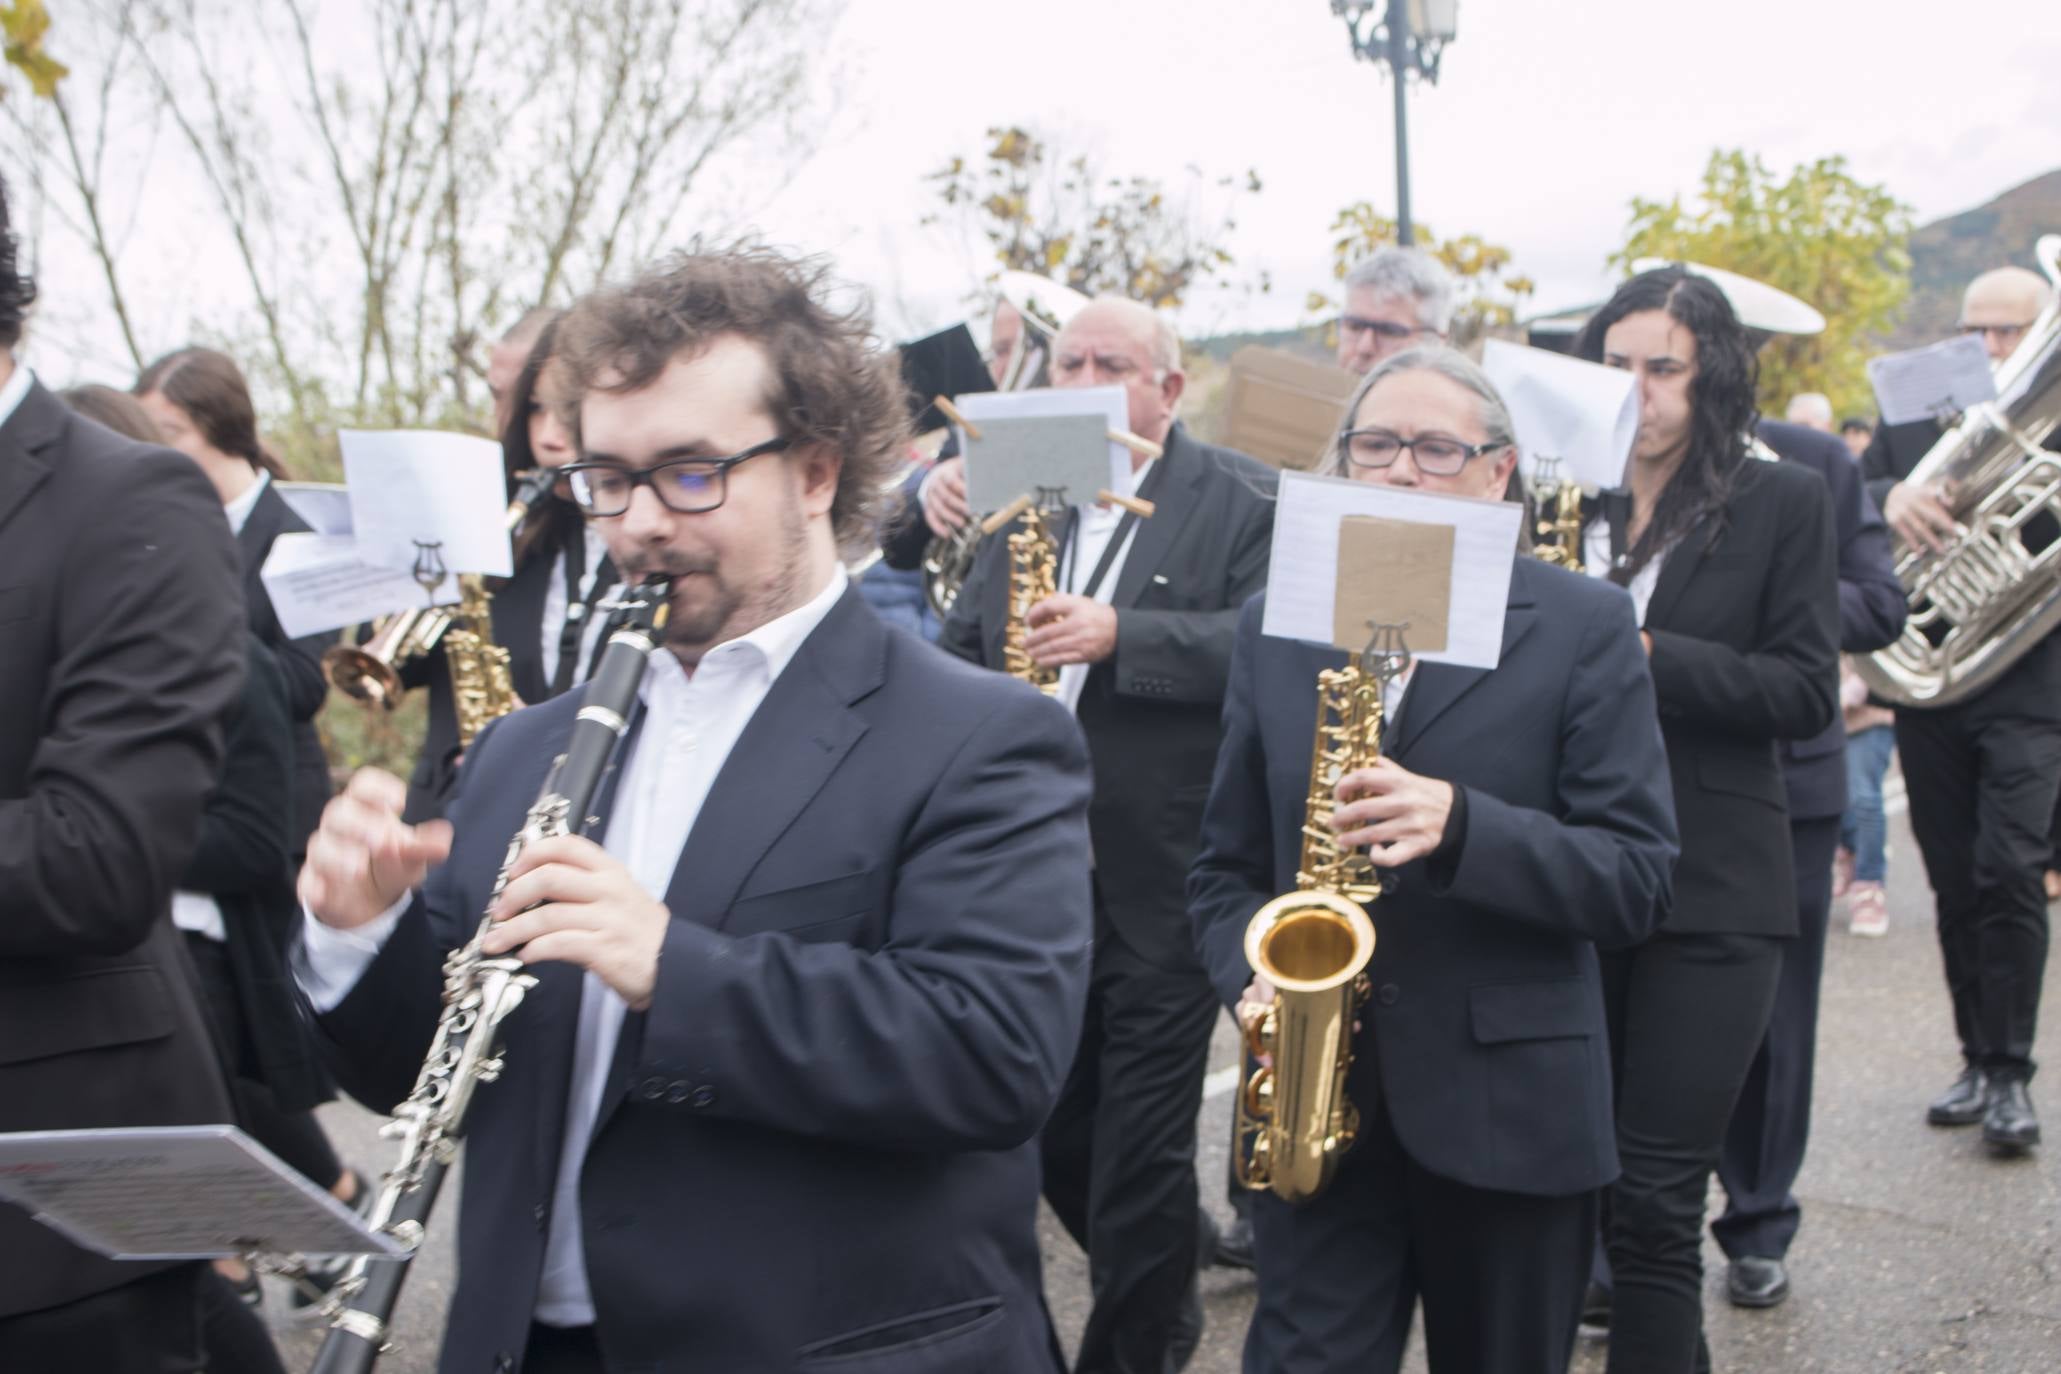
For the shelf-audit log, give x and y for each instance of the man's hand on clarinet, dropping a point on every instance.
(364, 857)
(944, 498)
(1397, 815)
(570, 900)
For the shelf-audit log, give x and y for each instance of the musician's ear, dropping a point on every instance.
(1497, 483)
(818, 466)
(1171, 387)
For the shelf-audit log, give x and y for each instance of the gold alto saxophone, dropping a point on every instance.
(1556, 504)
(1033, 577)
(479, 994)
(1294, 1120)
(482, 688)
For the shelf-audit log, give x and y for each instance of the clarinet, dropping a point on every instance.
(479, 994)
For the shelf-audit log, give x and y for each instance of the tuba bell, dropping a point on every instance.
(1995, 592)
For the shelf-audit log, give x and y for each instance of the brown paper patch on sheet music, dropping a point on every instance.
(1391, 572)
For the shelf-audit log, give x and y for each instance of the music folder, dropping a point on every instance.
(177, 1192)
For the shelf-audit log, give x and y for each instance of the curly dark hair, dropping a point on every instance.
(17, 292)
(1721, 397)
(833, 380)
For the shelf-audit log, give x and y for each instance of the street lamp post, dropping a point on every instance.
(1410, 36)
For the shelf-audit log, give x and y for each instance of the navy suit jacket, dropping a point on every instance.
(1485, 1040)
(1151, 711)
(815, 1149)
(1871, 605)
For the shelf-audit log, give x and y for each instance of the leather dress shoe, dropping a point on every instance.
(1963, 1104)
(2009, 1125)
(1754, 1281)
(1234, 1246)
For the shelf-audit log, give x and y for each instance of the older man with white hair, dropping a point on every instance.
(1982, 776)
(1811, 409)
(1395, 299)
(1141, 631)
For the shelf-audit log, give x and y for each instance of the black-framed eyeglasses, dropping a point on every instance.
(1387, 329)
(685, 486)
(1433, 454)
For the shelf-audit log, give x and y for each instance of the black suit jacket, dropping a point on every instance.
(1485, 1041)
(1893, 451)
(121, 649)
(1871, 605)
(300, 660)
(1152, 711)
(244, 862)
(1745, 627)
(818, 1141)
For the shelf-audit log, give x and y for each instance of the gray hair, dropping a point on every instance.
(1166, 344)
(1454, 366)
(1411, 273)
(1806, 407)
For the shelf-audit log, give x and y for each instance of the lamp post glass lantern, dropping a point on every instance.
(1409, 36)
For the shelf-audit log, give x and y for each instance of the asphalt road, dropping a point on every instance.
(1918, 1253)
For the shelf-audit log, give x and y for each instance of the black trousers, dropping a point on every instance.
(1499, 1274)
(1687, 1014)
(562, 1350)
(296, 1137)
(1119, 1151)
(1771, 1124)
(151, 1326)
(1982, 779)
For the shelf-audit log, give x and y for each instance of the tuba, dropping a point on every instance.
(371, 672)
(1995, 592)
(1294, 1120)
(479, 994)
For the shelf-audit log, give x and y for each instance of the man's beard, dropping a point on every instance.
(721, 608)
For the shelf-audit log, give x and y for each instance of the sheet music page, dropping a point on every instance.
(1933, 382)
(1016, 455)
(1302, 571)
(1108, 402)
(321, 582)
(326, 506)
(176, 1192)
(413, 487)
(1579, 413)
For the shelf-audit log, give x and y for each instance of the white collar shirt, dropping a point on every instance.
(1596, 562)
(1093, 528)
(690, 724)
(557, 604)
(14, 390)
(239, 510)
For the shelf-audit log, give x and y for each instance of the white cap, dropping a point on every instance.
(1758, 305)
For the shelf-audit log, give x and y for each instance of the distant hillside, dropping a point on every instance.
(1946, 253)
(1306, 342)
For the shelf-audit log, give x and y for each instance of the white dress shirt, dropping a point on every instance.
(1596, 562)
(556, 604)
(17, 386)
(690, 725)
(1091, 535)
(199, 912)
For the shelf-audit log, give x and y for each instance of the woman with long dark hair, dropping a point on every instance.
(549, 615)
(1730, 563)
(202, 406)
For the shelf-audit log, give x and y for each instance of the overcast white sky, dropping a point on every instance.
(1547, 119)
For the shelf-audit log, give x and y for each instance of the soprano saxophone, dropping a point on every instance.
(479, 994)
(1313, 944)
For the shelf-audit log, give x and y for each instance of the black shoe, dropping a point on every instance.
(2009, 1126)
(1234, 1246)
(1756, 1282)
(1963, 1104)
(1595, 1322)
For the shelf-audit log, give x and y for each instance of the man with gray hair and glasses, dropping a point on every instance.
(1396, 299)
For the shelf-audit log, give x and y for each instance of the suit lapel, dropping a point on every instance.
(1174, 495)
(1676, 571)
(789, 749)
(1436, 686)
(33, 427)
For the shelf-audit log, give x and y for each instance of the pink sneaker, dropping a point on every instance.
(1867, 909)
(1842, 872)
